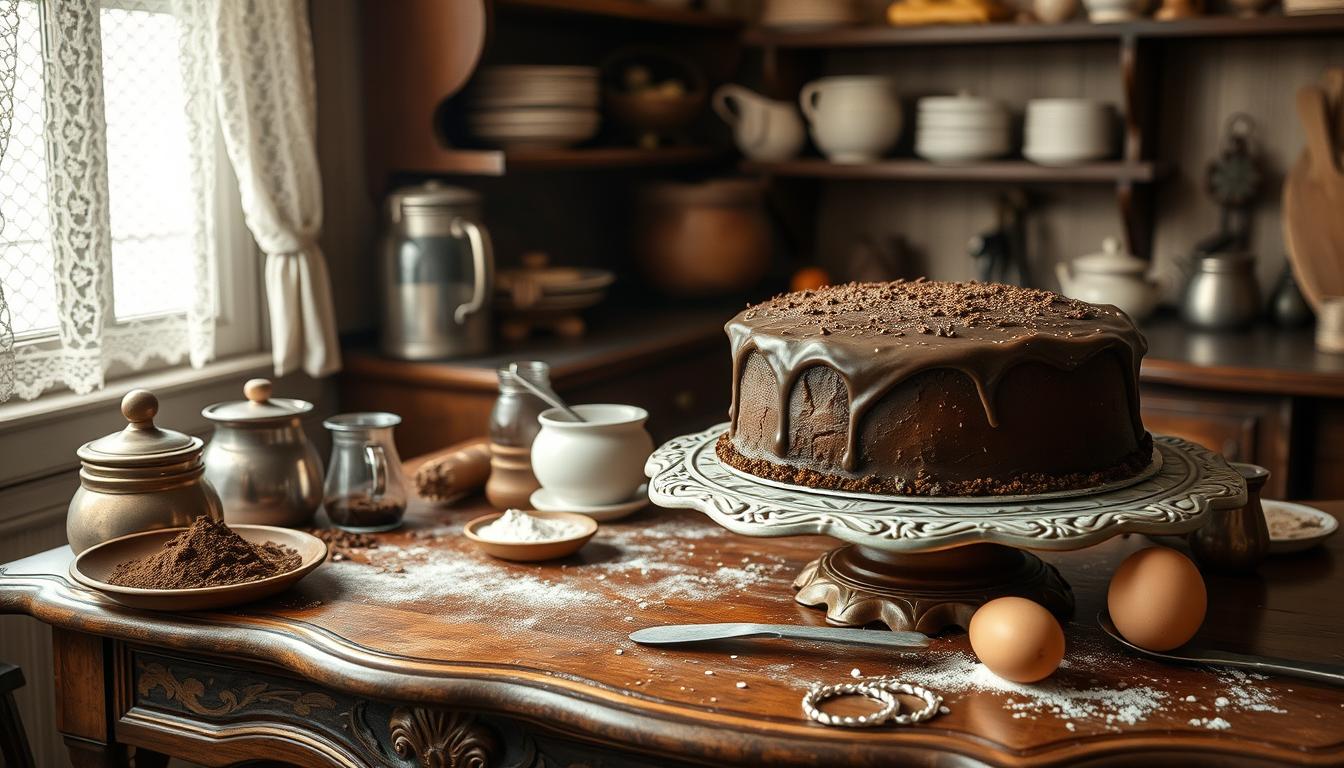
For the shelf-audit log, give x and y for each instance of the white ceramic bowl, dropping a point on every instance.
(595, 462)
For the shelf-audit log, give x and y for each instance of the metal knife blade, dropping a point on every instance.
(695, 633)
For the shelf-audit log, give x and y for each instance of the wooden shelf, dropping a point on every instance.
(877, 36)
(1006, 171)
(497, 162)
(628, 10)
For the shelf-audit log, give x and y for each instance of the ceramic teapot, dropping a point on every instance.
(1110, 277)
(764, 129)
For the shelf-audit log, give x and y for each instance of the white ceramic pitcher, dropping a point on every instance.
(855, 119)
(764, 129)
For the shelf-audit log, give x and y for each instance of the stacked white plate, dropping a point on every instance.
(961, 129)
(1068, 131)
(534, 106)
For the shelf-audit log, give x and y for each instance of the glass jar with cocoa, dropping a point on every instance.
(365, 490)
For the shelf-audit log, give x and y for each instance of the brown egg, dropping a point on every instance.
(1157, 599)
(1017, 639)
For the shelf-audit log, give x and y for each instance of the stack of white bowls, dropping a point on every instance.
(1068, 131)
(961, 129)
(534, 106)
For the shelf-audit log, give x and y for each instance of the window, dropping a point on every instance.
(170, 253)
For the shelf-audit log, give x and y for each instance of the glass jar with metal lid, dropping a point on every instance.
(139, 479)
(437, 274)
(260, 460)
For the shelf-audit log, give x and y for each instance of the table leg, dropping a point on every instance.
(84, 700)
(87, 754)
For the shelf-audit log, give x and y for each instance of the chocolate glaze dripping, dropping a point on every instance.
(871, 363)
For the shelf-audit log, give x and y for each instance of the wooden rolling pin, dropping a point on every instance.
(458, 471)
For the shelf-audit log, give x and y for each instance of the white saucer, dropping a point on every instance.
(1284, 546)
(545, 501)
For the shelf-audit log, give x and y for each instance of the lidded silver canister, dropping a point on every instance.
(139, 479)
(437, 274)
(260, 460)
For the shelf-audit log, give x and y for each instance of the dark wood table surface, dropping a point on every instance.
(427, 652)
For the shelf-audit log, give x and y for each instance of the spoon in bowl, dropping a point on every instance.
(545, 393)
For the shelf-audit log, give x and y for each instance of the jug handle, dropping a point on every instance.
(376, 458)
(723, 98)
(481, 256)
(807, 99)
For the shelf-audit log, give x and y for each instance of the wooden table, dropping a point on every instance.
(426, 652)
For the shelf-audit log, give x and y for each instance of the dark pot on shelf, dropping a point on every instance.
(703, 240)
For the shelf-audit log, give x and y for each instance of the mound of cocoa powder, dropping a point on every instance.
(208, 554)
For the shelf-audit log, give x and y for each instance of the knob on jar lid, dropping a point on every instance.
(141, 442)
(258, 406)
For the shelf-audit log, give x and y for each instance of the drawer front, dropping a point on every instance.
(220, 713)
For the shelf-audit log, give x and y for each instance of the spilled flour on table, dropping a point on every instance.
(1066, 695)
(635, 568)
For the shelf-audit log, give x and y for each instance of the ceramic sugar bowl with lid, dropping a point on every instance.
(260, 460)
(139, 479)
(1111, 277)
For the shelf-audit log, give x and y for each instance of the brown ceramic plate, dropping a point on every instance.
(96, 564)
(532, 551)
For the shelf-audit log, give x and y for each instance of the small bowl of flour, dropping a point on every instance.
(530, 536)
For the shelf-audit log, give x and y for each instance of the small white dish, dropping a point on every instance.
(1283, 546)
(545, 501)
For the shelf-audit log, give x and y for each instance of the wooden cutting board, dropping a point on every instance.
(1313, 194)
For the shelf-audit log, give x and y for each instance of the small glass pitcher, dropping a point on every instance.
(365, 490)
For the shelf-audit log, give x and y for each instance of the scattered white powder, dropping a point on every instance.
(516, 526)
(1065, 695)
(1244, 693)
(1213, 724)
(1220, 702)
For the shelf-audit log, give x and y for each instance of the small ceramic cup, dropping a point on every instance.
(595, 462)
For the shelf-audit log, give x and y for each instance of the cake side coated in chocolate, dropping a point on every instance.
(933, 388)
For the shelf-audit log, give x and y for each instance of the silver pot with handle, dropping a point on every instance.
(437, 274)
(260, 460)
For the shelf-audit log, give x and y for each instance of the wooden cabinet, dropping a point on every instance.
(1249, 428)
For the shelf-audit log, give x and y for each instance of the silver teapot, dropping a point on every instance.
(260, 461)
(1221, 293)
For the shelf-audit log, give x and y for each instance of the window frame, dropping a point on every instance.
(240, 327)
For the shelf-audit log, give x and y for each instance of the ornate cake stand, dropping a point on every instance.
(915, 563)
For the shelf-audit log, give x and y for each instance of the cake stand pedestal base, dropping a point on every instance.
(926, 592)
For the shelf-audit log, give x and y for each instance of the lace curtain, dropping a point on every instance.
(246, 81)
(9, 38)
(265, 95)
(76, 235)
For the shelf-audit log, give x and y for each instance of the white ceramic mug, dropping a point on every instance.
(764, 129)
(855, 119)
(595, 462)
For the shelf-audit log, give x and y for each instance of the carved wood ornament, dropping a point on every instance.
(436, 738)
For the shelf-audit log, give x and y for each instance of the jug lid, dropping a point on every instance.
(431, 194)
(1112, 260)
(141, 443)
(258, 406)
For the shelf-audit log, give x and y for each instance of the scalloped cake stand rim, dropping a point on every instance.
(1191, 481)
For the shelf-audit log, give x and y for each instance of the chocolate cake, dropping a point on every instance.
(935, 389)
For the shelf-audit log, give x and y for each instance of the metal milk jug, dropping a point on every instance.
(437, 274)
